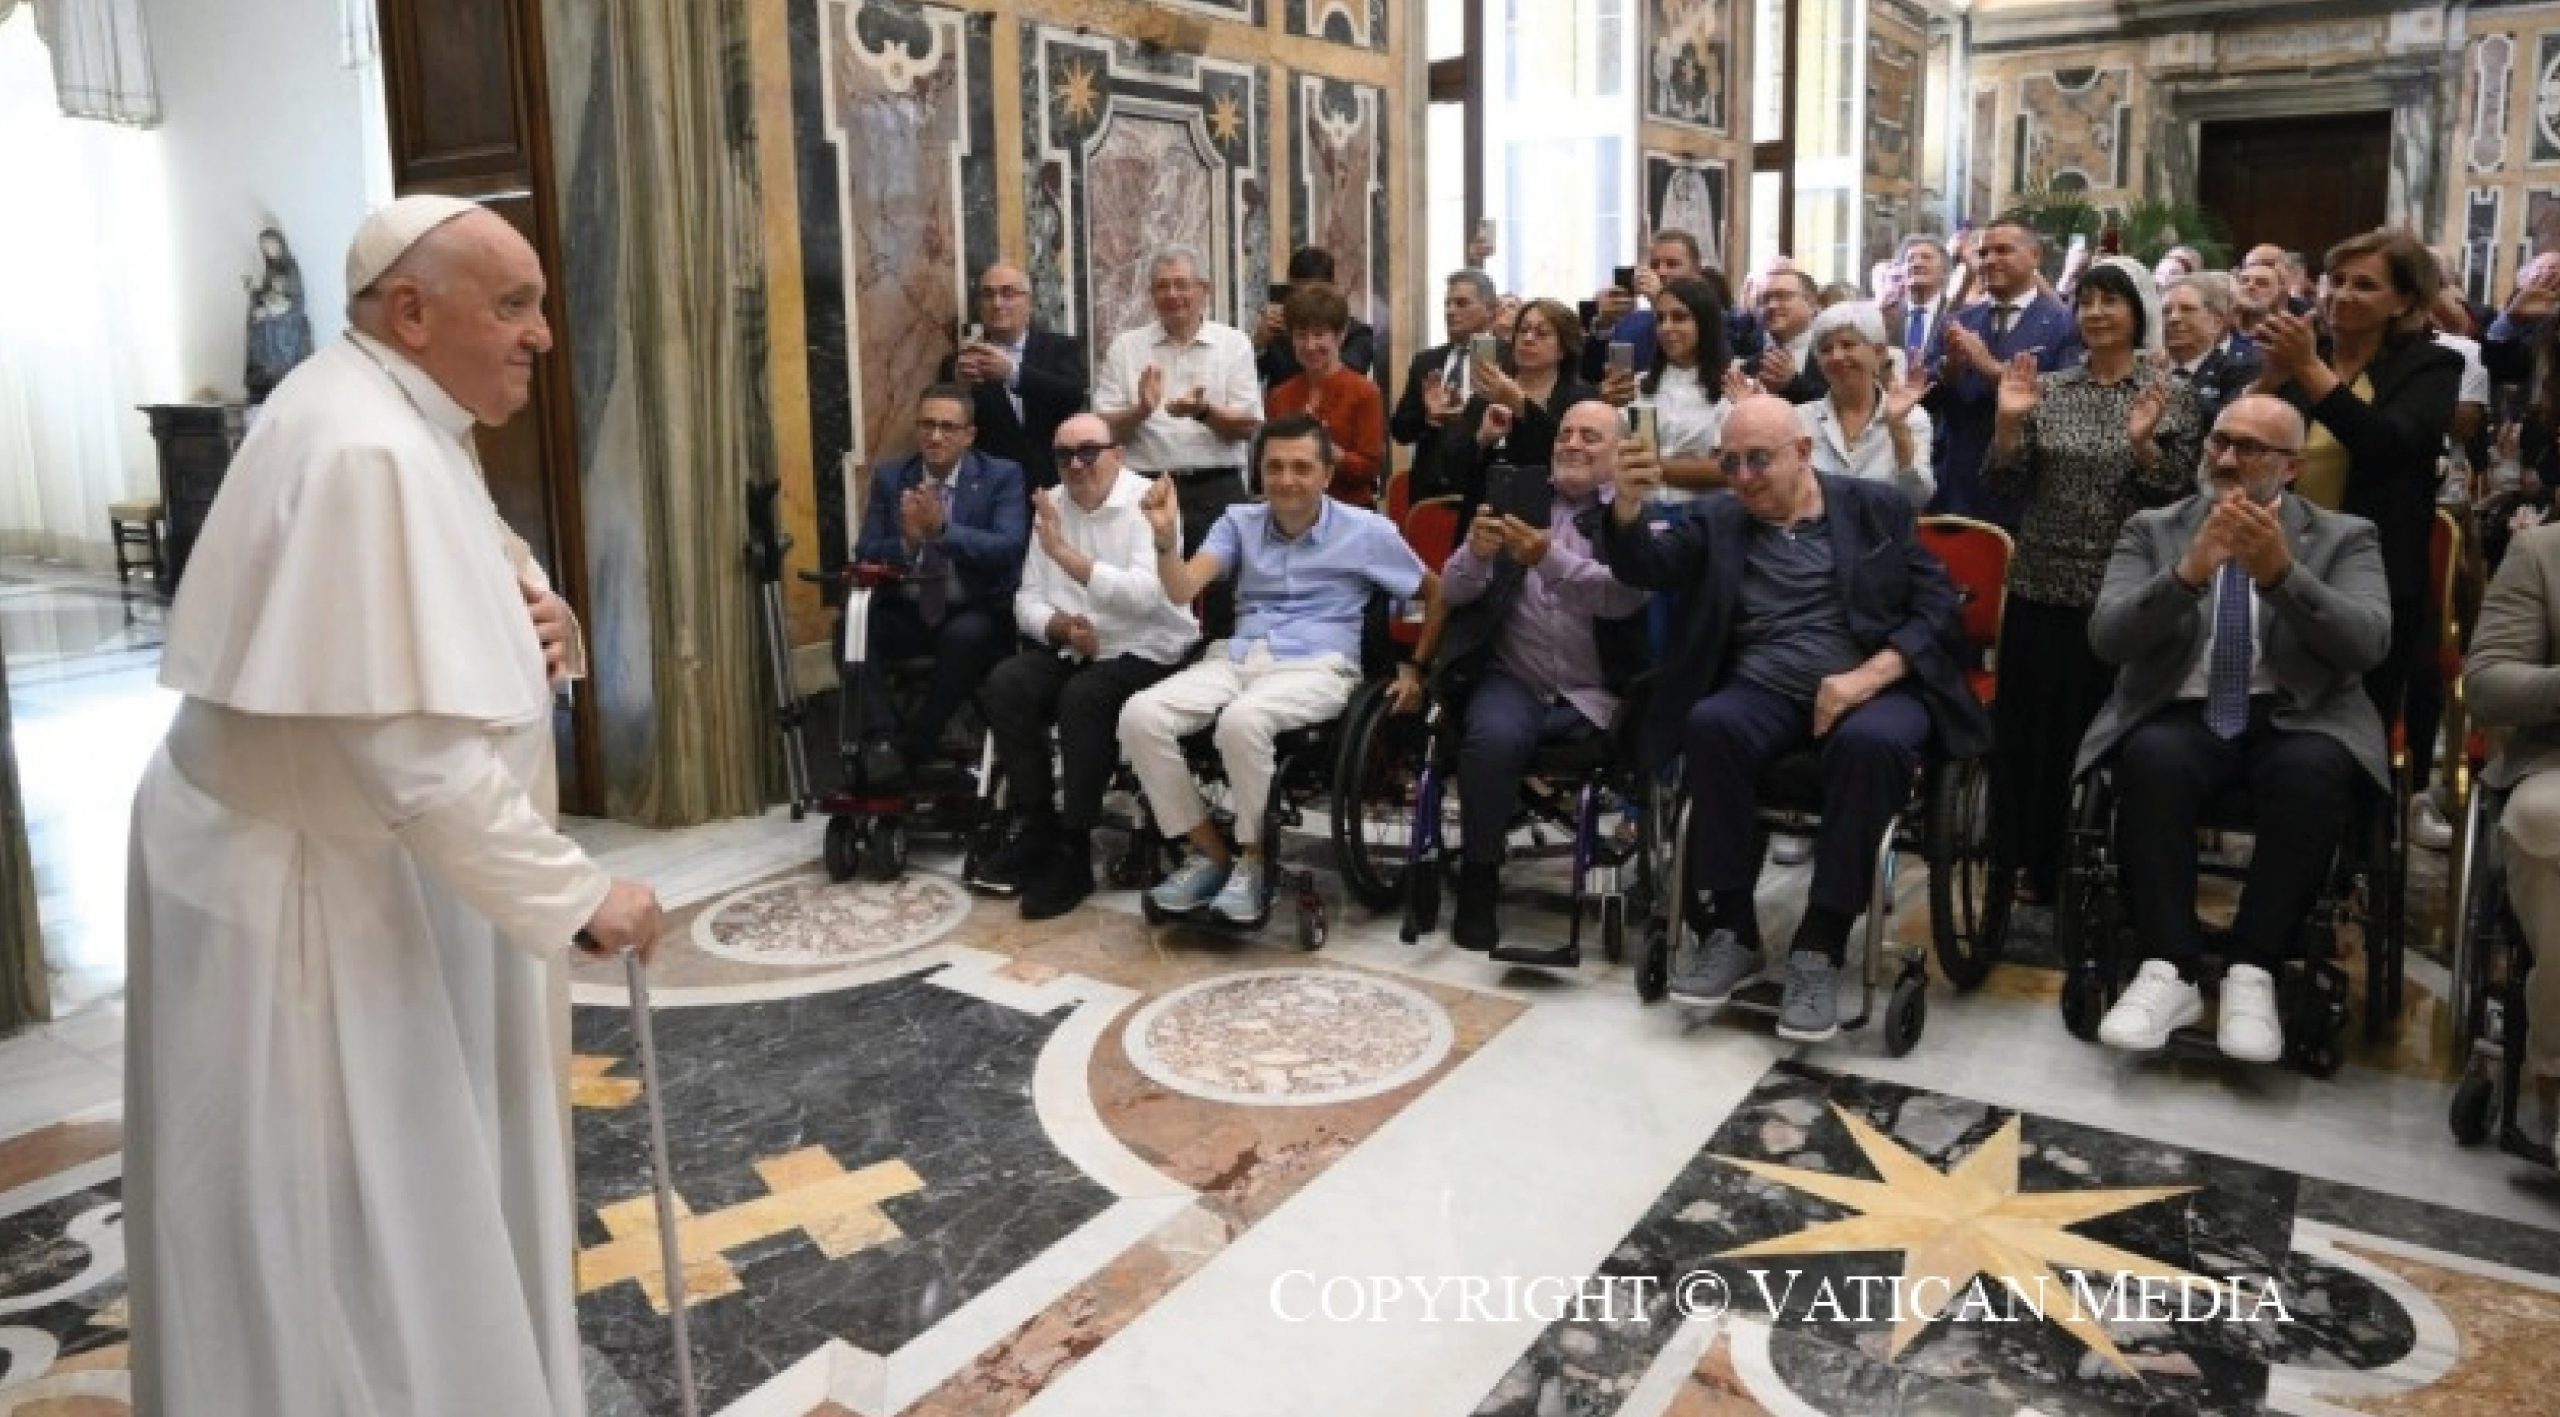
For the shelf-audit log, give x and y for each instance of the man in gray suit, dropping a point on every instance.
(2240, 620)
(2513, 681)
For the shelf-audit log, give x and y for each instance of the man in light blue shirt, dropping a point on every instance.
(1305, 567)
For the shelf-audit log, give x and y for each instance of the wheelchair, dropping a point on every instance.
(2364, 887)
(1947, 823)
(1301, 758)
(1394, 818)
(871, 822)
(2490, 961)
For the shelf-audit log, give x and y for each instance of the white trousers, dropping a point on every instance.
(1261, 697)
(2531, 825)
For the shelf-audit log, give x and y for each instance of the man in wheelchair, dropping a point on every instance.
(2242, 621)
(1540, 637)
(2513, 680)
(1305, 567)
(1100, 630)
(1814, 617)
(956, 522)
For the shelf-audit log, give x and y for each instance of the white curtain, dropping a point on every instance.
(101, 59)
(85, 327)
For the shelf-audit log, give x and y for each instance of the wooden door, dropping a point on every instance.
(465, 86)
(2303, 183)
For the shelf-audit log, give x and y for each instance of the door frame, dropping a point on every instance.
(2181, 108)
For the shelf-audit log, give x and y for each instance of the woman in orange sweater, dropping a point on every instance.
(1349, 405)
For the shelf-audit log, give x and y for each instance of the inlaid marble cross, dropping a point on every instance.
(810, 1191)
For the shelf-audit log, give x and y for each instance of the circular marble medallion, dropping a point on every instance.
(807, 921)
(1289, 1037)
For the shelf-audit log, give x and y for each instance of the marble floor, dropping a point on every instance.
(933, 1160)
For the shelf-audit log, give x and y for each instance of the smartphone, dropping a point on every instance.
(973, 333)
(1523, 493)
(1484, 347)
(1589, 310)
(1625, 279)
(1279, 292)
(1642, 426)
(1622, 357)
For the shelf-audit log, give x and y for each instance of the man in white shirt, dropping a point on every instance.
(346, 1124)
(1183, 398)
(1092, 602)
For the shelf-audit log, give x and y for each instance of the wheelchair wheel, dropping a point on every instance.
(1906, 1014)
(2474, 1112)
(844, 848)
(884, 849)
(1313, 926)
(1376, 768)
(1969, 885)
(1653, 964)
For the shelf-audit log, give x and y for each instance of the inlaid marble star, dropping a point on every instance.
(1078, 93)
(1952, 1226)
(1226, 120)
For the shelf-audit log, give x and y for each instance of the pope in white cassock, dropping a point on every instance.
(347, 1161)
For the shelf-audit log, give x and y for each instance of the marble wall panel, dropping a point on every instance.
(1688, 63)
(1893, 108)
(2074, 129)
(897, 210)
(2544, 143)
(2493, 60)
(2541, 229)
(1125, 153)
(1982, 154)
(1338, 191)
(2480, 241)
(1689, 194)
(1362, 23)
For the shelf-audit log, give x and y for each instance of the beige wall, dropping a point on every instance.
(2502, 166)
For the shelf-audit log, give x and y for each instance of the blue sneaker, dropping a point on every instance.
(1240, 903)
(1192, 885)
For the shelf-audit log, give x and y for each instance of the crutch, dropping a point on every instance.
(636, 976)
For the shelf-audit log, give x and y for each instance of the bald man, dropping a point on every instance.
(347, 1179)
(1815, 619)
(2240, 622)
(1025, 382)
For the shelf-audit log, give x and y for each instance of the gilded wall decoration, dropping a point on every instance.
(2075, 129)
(1338, 190)
(1360, 23)
(1688, 69)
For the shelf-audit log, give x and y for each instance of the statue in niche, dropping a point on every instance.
(279, 327)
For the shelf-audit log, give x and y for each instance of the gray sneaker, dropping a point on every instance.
(1809, 1010)
(1192, 885)
(1707, 974)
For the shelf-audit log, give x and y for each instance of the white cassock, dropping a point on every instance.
(347, 1165)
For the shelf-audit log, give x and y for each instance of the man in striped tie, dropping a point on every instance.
(2241, 621)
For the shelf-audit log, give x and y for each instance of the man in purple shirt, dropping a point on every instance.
(1531, 626)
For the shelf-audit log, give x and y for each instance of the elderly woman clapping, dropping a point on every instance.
(1871, 424)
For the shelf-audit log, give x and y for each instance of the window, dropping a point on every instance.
(1559, 144)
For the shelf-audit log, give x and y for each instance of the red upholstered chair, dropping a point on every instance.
(1976, 555)
(1431, 529)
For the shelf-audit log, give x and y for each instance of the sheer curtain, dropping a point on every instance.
(85, 311)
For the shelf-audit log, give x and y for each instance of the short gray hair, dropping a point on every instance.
(2214, 288)
(1861, 317)
(1167, 255)
(1902, 252)
(1482, 283)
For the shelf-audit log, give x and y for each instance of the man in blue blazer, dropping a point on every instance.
(958, 523)
(1980, 341)
(1814, 619)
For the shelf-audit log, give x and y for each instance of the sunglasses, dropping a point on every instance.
(1757, 459)
(1082, 454)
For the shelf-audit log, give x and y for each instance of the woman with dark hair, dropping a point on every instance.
(1345, 401)
(2378, 405)
(2086, 448)
(1515, 413)
(1685, 387)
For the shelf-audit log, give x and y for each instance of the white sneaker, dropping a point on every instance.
(2429, 829)
(1785, 850)
(2248, 1031)
(2157, 1004)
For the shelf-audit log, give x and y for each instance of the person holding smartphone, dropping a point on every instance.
(1540, 642)
(1686, 387)
(1673, 255)
(1515, 413)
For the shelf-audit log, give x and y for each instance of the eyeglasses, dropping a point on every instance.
(936, 427)
(1003, 292)
(2245, 449)
(1081, 454)
(1758, 460)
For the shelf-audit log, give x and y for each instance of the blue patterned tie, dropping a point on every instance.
(2226, 691)
(933, 569)
(1912, 334)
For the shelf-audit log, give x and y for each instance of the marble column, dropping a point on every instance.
(23, 995)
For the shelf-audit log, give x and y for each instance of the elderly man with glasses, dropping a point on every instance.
(2241, 621)
(1101, 629)
(956, 521)
(1024, 382)
(1815, 619)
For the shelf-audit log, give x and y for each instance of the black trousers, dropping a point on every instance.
(1204, 497)
(2300, 786)
(1036, 688)
(2051, 688)
(968, 643)
(2406, 687)
(1867, 763)
(1505, 723)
